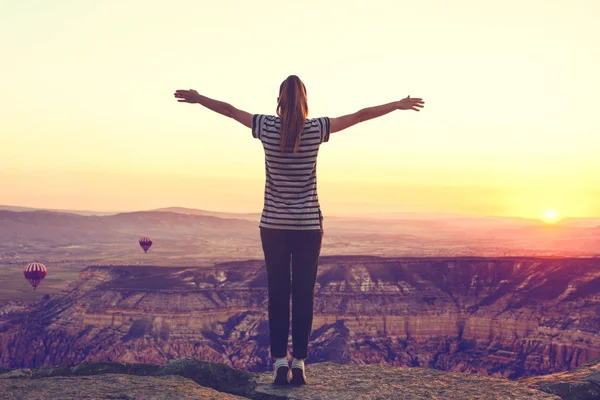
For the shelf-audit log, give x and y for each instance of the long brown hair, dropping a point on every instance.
(292, 108)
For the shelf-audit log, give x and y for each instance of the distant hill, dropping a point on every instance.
(195, 211)
(581, 222)
(62, 228)
(80, 212)
(194, 234)
(387, 216)
(452, 218)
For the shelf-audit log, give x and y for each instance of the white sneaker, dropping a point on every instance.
(298, 374)
(281, 370)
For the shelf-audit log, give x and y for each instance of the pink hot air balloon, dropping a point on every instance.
(145, 243)
(35, 273)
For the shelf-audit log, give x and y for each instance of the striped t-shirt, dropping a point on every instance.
(291, 200)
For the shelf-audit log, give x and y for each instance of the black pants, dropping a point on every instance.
(303, 249)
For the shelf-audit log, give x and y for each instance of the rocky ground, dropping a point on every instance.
(193, 379)
(110, 386)
(582, 383)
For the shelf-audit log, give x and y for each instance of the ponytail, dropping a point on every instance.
(292, 108)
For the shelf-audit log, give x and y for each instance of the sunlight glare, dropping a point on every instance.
(550, 216)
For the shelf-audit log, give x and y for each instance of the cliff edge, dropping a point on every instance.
(190, 378)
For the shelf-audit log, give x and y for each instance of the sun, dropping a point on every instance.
(550, 216)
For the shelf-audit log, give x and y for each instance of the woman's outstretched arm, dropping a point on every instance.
(341, 123)
(226, 109)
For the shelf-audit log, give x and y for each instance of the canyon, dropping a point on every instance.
(503, 316)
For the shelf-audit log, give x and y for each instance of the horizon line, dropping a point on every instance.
(346, 214)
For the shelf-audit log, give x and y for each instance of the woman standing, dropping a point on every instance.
(291, 225)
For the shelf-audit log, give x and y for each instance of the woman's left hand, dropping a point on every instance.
(187, 96)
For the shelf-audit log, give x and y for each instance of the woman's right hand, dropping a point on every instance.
(410, 104)
(187, 96)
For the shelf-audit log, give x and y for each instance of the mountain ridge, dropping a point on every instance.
(184, 233)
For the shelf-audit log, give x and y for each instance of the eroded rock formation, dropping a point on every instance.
(500, 317)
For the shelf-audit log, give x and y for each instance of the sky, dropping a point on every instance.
(510, 126)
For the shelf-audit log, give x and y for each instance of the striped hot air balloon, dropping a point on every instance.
(34, 273)
(145, 243)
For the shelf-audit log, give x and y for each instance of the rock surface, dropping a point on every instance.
(509, 317)
(110, 386)
(379, 382)
(583, 383)
(217, 376)
(327, 381)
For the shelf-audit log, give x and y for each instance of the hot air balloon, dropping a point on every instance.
(145, 243)
(34, 273)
